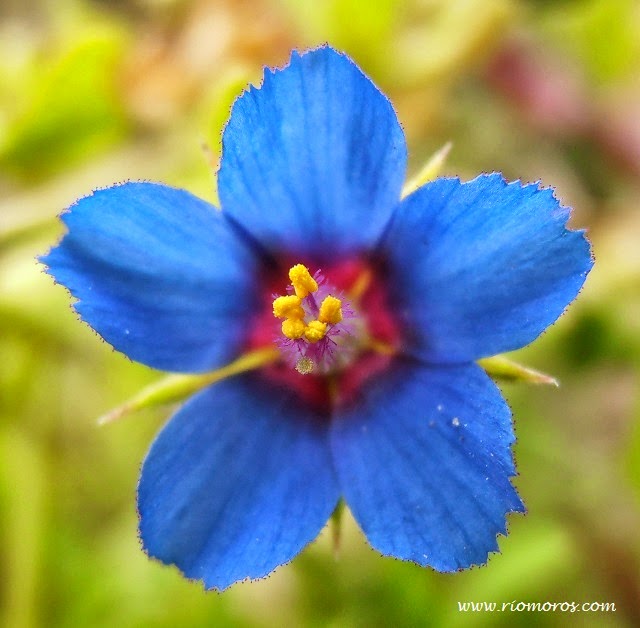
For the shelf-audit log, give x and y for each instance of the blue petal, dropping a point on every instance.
(424, 460)
(314, 160)
(482, 267)
(237, 483)
(159, 274)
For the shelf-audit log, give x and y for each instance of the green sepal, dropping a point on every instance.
(430, 171)
(335, 522)
(503, 369)
(177, 387)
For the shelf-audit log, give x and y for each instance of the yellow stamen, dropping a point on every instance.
(293, 328)
(378, 346)
(302, 281)
(330, 310)
(360, 286)
(315, 331)
(288, 307)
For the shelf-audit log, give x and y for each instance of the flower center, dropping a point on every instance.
(319, 328)
(327, 353)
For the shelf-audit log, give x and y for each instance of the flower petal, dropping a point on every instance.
(237, 483)
(482, 267)
(314, 160)
(159, 274)
(424, 460)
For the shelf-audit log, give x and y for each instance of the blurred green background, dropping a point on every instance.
(94, 92)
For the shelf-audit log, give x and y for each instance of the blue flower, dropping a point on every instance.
(375, 310)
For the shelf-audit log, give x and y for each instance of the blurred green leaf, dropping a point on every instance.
(72, 109)
(603, 34)
(23, 491)
(350, 24)
(407, 42)
(632, 458)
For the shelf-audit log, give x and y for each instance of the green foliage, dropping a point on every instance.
(406, 43)
(70, 110)
(603, 34)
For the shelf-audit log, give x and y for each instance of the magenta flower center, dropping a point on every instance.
(333, 328)
(319, 329)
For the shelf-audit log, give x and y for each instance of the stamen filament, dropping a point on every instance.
(378, 346)
(360, 286)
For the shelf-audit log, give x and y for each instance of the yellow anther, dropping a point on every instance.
(293, 328)
(330, 310)
(315, 331)
(288, 307)
(302, 281)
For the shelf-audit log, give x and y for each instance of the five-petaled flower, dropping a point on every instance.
(375, 308)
